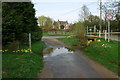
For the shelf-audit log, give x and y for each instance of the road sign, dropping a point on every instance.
(109, 17)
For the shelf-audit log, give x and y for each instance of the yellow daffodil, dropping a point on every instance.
(89, 41)
(98, 40)
(68, 36)
(22, 50)
(0, 50)
(30, 50)
(26, 50)
(13, 51)
(6, 50)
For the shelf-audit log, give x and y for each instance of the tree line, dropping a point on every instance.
(18, 19)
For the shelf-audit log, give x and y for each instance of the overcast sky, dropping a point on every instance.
(65, 10)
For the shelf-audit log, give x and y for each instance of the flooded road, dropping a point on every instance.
(51, 52)
(63, 62)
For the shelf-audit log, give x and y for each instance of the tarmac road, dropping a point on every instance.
(61, 62)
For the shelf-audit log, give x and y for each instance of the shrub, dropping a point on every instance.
(37, 35)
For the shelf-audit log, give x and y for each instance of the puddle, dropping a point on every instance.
(56, 51)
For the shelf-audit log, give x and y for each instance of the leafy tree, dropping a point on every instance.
(42, 20)
(49, 23)
(92, 21)
(56, 25)
(45, 23)
(62, 27)
(78, 29)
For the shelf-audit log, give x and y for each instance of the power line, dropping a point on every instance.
(69, 12)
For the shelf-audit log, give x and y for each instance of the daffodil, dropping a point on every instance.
(13, 51)
(30, 50)
(98, 40)
(22, 50)
(68, 36)
(103, 45)
(0, 50)
(26, 50)
(90, 40)
(6, 50)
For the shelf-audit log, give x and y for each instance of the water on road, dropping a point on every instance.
(63, 62)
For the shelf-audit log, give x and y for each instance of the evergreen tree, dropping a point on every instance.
(18, 20)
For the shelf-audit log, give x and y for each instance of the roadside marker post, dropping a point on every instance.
(99, 33)
(105, 35)
(109, 17)
(94, 28)
(108, 30)
(30, 41)
(87, 30)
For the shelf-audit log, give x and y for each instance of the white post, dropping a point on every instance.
(94, 28)
(87, 30)
(108, 30)
(30, 41)
(105, 35)
(99, 33)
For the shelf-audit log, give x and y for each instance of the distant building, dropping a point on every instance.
(61, 25)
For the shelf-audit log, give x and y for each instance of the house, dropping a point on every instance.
(63, 25)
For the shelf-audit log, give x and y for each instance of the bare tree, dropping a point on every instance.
(84, 13)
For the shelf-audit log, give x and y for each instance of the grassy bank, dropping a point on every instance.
(23, 65)
(46, 34)
(101, 51)
(105, 53)
(69, 41)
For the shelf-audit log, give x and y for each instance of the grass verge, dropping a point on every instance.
(101, 51)
(25, 65)
(105, 53)
(69, 41)
(46, 34)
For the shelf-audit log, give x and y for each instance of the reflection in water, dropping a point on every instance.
(57, 51)
(70, 49)
(47, 51)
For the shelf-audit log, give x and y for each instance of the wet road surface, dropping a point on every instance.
(63, 62)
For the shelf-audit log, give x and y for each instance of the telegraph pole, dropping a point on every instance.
(100, 15)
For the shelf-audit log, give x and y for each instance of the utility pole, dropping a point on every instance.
(101, 15)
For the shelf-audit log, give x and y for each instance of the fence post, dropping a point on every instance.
(108, 31)
(87, 30)
(30, 41)
(94, 28)
(105, 35)
(99, 33)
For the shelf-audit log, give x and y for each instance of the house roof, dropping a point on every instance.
(63, 22)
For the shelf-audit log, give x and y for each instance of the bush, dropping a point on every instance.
(36, 36)
(80, 32)
(82, 40)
